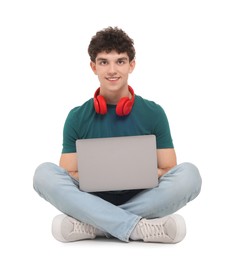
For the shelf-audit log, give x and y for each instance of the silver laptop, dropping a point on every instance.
(117, 163)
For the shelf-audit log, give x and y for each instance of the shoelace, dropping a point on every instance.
(80, 227)
(150, 230)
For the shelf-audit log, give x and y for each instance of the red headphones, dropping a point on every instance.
(123, 108)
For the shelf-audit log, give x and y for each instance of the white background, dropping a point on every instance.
(186, 62)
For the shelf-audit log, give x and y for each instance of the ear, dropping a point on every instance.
(132, 66)
(93, 67)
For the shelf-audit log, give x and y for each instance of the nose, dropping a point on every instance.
(111, 69)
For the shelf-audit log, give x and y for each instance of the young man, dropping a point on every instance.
(116, 111)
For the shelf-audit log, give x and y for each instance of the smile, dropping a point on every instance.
(112, 78)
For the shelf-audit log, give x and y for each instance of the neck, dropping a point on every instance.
(113, 97)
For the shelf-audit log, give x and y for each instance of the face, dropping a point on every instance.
(113, 70)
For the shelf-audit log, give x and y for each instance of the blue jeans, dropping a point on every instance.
(113, 213)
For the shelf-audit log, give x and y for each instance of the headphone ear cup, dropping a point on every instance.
(100, 106)
(96, 105)
(124, 106)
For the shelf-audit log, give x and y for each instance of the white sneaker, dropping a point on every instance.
(68, 229)
(169, 229)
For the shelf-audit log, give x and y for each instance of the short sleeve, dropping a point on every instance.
(162, 130)
(70, 134)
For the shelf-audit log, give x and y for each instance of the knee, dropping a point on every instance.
(42, 175)
(192, 171)
(192, 177)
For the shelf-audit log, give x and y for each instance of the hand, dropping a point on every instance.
(161, 172)
(74, 175)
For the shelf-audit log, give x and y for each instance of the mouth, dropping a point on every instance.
(112, 79)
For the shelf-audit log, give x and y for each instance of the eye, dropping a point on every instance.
(103, 62)
(120, 62)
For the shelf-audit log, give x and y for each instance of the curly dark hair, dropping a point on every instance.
(111, 39)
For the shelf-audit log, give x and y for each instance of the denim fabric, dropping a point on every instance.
(116, 214)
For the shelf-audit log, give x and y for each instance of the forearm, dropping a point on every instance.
(166, 159)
